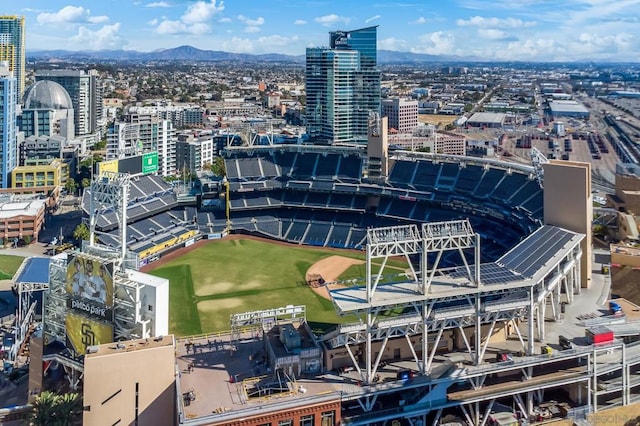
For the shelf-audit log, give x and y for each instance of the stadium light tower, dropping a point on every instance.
(109, 194)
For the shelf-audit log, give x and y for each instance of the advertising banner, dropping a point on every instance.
(83, 331)
(90, 286)
(108, 166)
(149, 162)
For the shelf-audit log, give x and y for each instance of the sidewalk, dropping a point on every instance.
(34, 249)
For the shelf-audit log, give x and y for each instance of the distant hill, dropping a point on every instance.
(190, 53)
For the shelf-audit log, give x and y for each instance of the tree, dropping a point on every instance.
(71, 186)
(44, 408)
(85, 183)
(81, 232)
(57, 410)
(69, 409)
(218, 166)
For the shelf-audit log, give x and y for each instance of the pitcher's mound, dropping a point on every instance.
(328, 270)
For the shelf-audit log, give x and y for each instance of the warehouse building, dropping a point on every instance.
(568, 109)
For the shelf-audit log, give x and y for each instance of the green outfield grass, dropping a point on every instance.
(223, 277)
(9, 264)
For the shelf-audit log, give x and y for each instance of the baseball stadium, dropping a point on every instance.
(290, 207)
(328, 282)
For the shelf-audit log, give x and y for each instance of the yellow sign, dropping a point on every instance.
(83, 331)
(107, 166)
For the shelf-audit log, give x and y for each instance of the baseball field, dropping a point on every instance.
(218, 278)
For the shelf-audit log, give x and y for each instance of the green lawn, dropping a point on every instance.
(9, 264)
(223, 277)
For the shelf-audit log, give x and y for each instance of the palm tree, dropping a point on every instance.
(44, 408)
(50, 409)
(69, 409)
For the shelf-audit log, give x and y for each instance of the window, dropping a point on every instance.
(328, 418)
(287, 422)
(307, 420)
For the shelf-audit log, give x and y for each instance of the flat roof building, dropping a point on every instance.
(486, 119)
(402, 113)
(131, 382)
(566, 108)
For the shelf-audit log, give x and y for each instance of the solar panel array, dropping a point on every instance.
(534, 252)
(490, 273)
(524, 260)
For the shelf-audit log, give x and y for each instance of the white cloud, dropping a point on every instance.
(153, 22)
(419, 21)
(435, 43)
(393, 43)
(332, 19)
(491, 33)
(98, 19)
(252, 29)
(299, 22)
(202, 11)
(194, 21)
(265, 44)
(107, 37)
(238, 45)
(479, 21)
(251, 22)
(224, 20)
(70, 15)
(169, 27)
(158, 4)
(276, 40)
(373, 18)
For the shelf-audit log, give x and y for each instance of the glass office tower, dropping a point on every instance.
(342, 87)
(8, 127)
(12, 48)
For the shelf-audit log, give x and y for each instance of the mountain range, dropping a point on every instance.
(190, 53)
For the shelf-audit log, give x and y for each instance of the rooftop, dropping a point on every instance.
(128, 346)
(487, 117)
(18, 208)
(567, 106)
(34, 270)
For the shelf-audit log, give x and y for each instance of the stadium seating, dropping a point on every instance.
(321, 198)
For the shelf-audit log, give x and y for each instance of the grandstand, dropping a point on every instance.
(306, 196)
(152, 226)
(148, 196)
(319, 196)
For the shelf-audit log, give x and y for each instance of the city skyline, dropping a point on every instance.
(535, 30)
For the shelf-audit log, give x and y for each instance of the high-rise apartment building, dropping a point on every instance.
(138, 133)
(85, 90)
(402, 114)
(8, 126)
(342, 87)
(12, 48)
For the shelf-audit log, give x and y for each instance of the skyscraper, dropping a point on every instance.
(8, 127)
(342, 87)
(12, 48)
(85, 90)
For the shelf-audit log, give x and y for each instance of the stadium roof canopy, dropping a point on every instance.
(34, 270)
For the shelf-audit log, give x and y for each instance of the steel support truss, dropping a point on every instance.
(430, 314)
(110, 193)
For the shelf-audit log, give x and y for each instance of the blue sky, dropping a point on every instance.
(538, 30)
